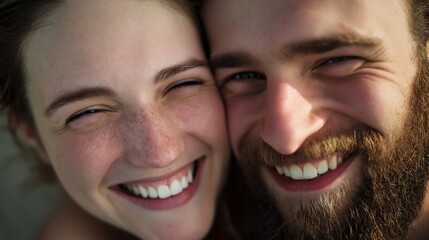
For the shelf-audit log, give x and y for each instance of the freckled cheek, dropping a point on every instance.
(83, 161)
(204, 118)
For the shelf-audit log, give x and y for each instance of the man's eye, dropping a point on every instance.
(336, 60)
(244, 83)
(247, 75)
(84, 113)
(338, 66)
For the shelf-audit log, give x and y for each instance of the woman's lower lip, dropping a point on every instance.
(158, 204)
(312, 185)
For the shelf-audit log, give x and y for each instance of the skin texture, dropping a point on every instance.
(306, 80)
(70, 222)
(134, 128)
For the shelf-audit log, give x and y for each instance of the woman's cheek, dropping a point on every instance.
(86, 159)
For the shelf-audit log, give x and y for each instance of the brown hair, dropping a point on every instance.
(18, 19)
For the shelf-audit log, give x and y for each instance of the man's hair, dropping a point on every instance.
(18, 19)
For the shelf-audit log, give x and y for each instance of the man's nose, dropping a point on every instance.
(156, 141)
(289, 118)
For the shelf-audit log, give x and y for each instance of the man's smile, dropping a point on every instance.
(311, 170)
(315, 175)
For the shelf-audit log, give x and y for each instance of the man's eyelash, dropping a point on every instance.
(334, 60)
(247, 75)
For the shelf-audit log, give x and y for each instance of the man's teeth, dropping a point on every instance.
(310, 170)
(162, 191)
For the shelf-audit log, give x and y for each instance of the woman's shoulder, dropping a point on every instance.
(70, 221)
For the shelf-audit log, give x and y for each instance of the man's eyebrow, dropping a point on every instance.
(167, 72)
(312, 46)
(233, 60)
(326, 44)
(78, 95)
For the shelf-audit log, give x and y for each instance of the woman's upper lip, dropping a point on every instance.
(160, 177)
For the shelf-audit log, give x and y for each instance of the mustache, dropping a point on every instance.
(364, 141)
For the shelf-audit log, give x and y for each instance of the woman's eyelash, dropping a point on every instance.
(83, 113)
(187, 83)
(182, 84)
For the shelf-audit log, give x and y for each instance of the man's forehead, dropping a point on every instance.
(255, 15)
(246, 38)
(218, 9)
(238, 20)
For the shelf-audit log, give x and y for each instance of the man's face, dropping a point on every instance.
(318, 96)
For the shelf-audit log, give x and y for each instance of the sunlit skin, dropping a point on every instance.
(295, 71)
(121, 92)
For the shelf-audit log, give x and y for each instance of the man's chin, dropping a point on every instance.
(317, 211)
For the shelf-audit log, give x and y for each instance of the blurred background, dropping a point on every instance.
(24, 202)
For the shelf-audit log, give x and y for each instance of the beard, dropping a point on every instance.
(383, 203)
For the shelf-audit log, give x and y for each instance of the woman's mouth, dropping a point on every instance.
(164, 192)
(163, 189)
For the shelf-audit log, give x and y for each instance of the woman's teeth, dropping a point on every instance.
(161, 191)
(310, 170)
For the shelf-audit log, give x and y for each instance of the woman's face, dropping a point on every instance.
(128, 112)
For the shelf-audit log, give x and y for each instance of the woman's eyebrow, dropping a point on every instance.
(90, 92)
(167, 72)
(78, 95)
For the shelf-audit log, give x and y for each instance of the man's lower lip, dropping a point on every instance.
(312, 185)
(158, 204)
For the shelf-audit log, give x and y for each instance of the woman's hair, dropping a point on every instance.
(18, 19)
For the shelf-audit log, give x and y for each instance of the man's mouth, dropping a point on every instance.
(311, 170)
(317, 174)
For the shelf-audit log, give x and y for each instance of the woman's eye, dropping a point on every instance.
(183, 84)
(243, 83)
(84, 113)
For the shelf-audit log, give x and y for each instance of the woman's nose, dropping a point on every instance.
(156, 140)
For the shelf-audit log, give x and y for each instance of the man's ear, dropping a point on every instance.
(28, 135)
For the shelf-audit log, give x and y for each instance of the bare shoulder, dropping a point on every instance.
(70, 222)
